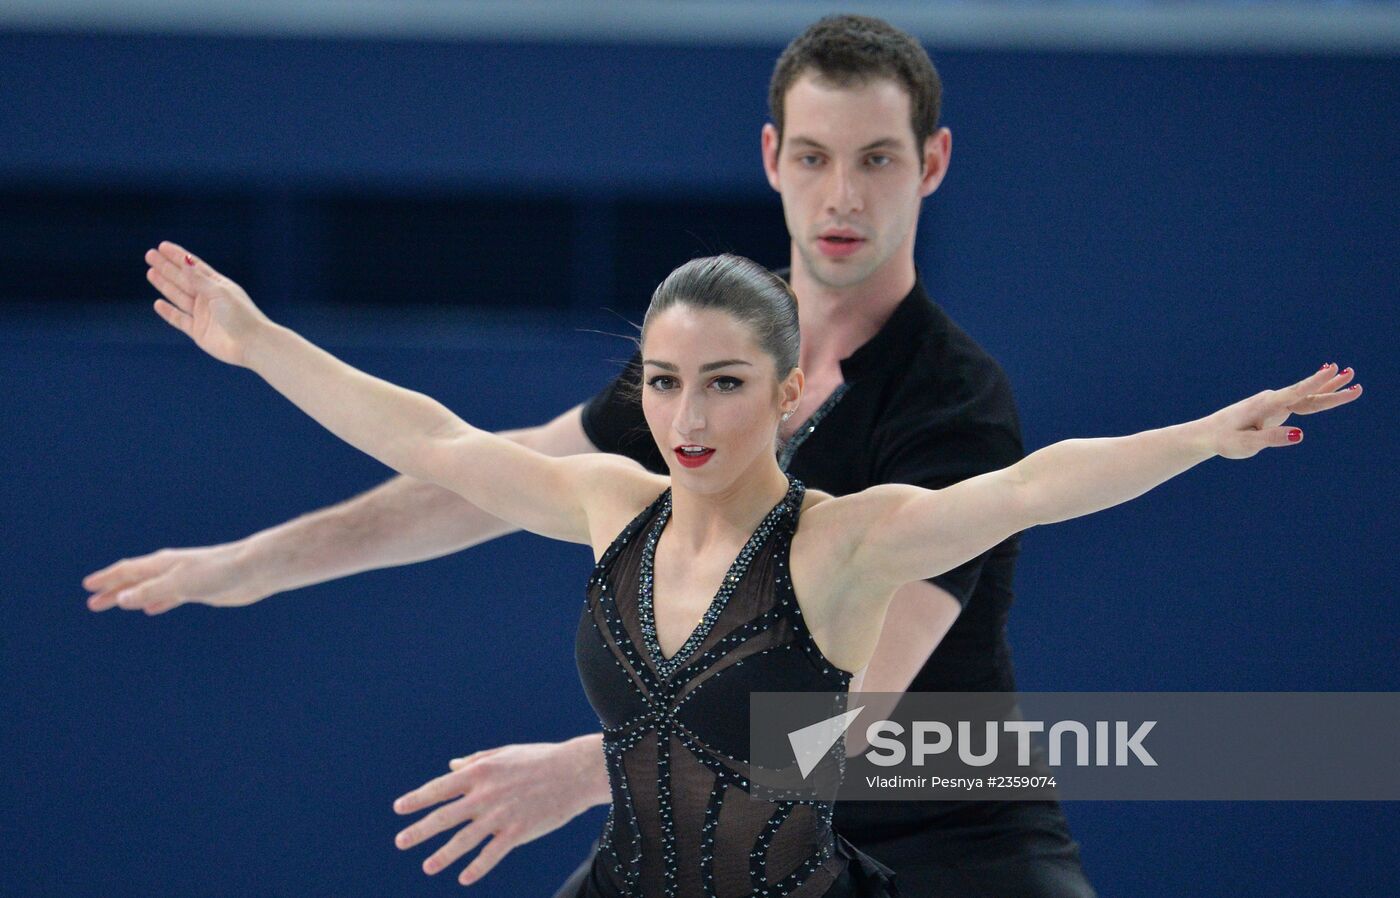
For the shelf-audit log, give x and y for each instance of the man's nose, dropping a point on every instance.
(842, 195)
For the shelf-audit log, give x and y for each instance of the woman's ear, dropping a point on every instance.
(791, 390)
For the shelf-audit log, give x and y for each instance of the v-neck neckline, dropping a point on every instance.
(646, 587)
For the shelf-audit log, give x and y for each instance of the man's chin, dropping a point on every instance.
(840, 273)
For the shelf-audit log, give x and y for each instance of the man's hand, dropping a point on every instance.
(513, 794)
(155, 583)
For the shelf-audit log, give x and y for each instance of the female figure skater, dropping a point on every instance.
(666, 658)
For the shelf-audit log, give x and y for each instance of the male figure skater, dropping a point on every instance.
(895, 393)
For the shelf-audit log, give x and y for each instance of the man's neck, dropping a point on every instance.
(836, 321)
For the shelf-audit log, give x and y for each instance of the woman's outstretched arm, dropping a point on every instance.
(902, 533)
(408, 431)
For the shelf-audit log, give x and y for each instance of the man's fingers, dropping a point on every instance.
(102, 601)
(133, 597)
(467, 838)
(115, 578)
(489, 857)
(449, 785)
(146, 594)
(448, 815)
(459, 763)
(123, 572)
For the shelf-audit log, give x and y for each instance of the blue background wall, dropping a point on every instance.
(1139, 239)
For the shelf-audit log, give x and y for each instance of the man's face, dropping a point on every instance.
(850, 176)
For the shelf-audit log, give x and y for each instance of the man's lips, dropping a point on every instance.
(694, 458)
(839, 243)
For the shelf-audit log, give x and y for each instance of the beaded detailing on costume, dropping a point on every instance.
(791, 502)
(683, 823)
(809, 426)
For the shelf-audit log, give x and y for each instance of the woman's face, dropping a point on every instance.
(710, 396)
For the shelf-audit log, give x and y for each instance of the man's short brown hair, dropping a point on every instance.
(849, 50)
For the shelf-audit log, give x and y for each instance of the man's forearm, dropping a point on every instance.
(401, 521)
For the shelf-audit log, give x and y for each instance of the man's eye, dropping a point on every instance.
(810, 160)
(662, 382)
(727, 384)
(878, 161)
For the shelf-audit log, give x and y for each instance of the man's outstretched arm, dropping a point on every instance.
(399, 522)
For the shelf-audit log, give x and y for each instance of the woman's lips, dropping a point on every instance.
(693, 460)
(838, 247)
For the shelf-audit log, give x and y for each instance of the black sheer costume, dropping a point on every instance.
(676, 730)
(921, 403)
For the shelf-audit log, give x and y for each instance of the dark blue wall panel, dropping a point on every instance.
(1139, 238)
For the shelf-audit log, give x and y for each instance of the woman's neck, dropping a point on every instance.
(703, 519)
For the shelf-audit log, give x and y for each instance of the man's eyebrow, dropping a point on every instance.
(708, 366)
(884, 143)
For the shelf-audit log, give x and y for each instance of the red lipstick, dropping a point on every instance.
(696, 457)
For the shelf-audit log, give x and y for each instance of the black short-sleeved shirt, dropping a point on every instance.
(922, 403)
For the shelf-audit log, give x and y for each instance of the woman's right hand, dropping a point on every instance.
(201, 303)
(160, 581)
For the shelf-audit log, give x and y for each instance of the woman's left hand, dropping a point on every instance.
(1243, 429)
(207, 307)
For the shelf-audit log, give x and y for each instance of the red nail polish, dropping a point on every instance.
(1354, 387)
(189, 260)
(1295, 435)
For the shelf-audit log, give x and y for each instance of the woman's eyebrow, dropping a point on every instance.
(723, 363)
(708, 366)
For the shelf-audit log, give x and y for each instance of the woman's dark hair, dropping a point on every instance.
(742, 288)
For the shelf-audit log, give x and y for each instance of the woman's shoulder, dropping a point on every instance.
(618, 490)
(822, 510)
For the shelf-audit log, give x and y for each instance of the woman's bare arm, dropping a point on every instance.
(894, 534)
(408, 431)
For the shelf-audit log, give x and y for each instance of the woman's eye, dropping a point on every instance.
(662, 382)
(727, 384)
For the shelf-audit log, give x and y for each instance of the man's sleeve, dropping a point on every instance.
(613, 421)
(973, 430)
